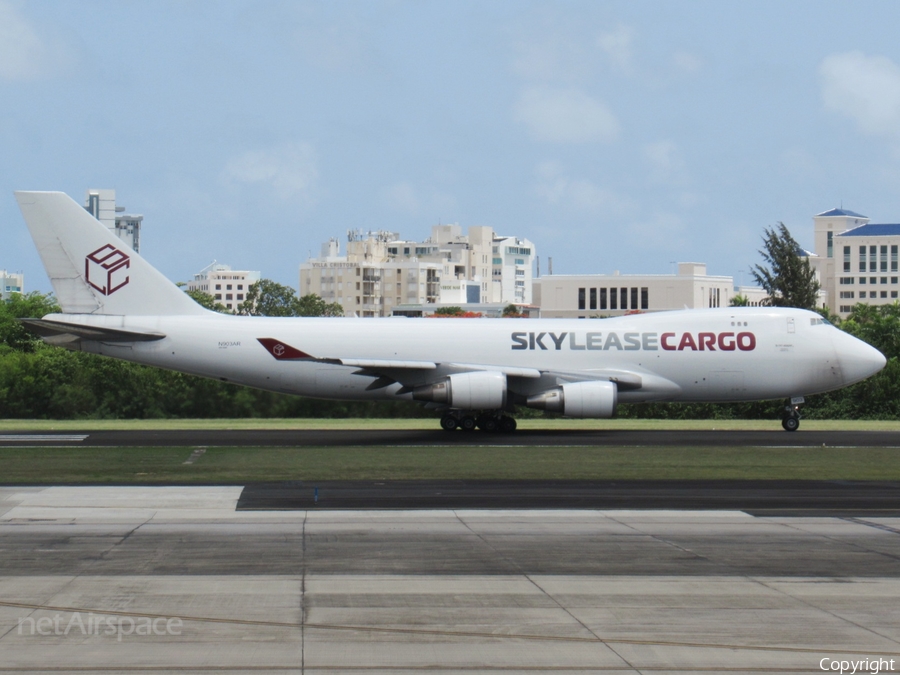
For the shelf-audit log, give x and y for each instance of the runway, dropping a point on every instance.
(456, 576)
(838, 498)
(449, 591)
(355, 437)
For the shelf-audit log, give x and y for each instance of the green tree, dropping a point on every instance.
(312, 305)
(208, 301)
(268, 298)
(448, 311)
(879, 325)
(511, 312)
(740, 301)
(32, 305)
(790, 282)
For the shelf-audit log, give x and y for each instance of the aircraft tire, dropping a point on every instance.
(507, 424)
(467, 424)
(791, 423)
(489, 424)
(449, 423)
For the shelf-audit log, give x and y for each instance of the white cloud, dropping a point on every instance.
(661, 230)
(665, 161)
(800, 164)
(290, 171)
(337, 45)
(578, 194)
(687, 62)
(617, 46)
(404, 197)
(565, 116)
(865, 89)
(558, 48)
(401, 197)
(23, 55)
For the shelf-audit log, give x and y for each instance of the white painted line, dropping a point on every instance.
(195, 455)
(40, 438)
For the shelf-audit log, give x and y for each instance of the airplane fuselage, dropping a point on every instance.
(733, 354)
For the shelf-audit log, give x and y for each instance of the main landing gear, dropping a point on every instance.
(791, 419)
(487, 421)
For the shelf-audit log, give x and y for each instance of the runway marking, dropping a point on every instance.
(195, 455)
(39, 438)
(456, 634)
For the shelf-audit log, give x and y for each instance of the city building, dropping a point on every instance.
(381, 272)
(229, 287)
(856, 261)
(598, 295)
(102, 205)
(490, 310)
(11, 282)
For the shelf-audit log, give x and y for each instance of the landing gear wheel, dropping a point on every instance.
(507, 424)
(449, 423)
(467, 424)
(488, 423)
(791, 423)
(791, 418)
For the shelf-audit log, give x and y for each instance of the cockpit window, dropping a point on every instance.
(819, 322)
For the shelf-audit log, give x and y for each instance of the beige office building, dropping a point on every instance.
(856, 261)
(381, 272)
(581, 296)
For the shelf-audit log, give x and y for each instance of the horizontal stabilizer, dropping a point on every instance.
(60, 332)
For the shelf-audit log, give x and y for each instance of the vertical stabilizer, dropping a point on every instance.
(92, 270)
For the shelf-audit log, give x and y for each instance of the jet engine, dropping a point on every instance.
(578, 399)
(478, 390)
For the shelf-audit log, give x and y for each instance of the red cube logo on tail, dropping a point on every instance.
(106, 269)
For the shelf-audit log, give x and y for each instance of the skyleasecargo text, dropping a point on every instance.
(710, 342)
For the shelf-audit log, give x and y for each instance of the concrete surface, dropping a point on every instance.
(433, 591)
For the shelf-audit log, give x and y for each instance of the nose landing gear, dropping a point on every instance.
(791, 419)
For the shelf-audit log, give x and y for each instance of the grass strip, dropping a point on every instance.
(230, 465)
(425, 423)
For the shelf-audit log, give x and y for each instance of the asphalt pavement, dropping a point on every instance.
(368, 437)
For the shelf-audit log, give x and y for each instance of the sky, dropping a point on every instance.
(614, 135)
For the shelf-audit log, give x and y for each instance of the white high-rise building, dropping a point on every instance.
(381, 272)
(11, 282)
(102, 205)
(229, 287)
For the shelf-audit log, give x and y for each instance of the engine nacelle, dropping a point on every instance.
(578, 399)
(479, 390)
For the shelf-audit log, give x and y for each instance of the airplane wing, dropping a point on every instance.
(61, 333)
(413, 373)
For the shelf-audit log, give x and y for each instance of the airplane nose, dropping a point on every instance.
(858, 359)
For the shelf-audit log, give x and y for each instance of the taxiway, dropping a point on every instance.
(338, 591)
(379, 437)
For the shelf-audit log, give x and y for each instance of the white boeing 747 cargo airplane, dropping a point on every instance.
(116, 304)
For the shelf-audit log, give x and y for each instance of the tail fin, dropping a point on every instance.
(92, 270)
